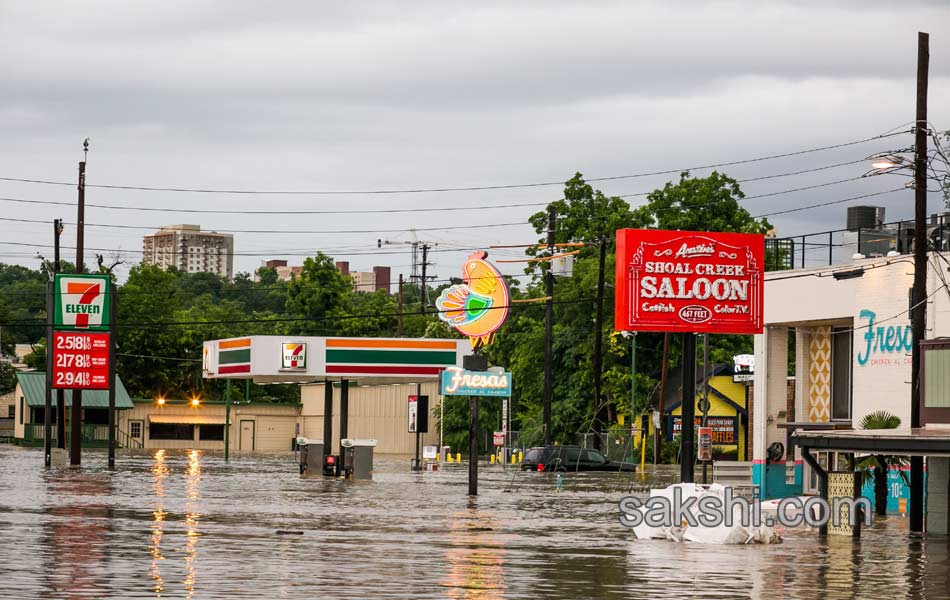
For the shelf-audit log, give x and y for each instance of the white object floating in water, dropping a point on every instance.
(719, 534)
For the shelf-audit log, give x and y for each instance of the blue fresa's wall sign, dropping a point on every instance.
(882, 339)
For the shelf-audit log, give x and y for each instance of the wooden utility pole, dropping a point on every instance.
(60, 393)
(600, 407)
(548, 392)
(661, 402)
(918, 308)
(75, 416)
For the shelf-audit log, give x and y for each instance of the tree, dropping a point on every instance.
(317, 294)
(700, 204)
(588, 216)
(7, 378)
(880, 464)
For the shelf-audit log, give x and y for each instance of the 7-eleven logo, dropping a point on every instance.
(82, 302)
(293, 356)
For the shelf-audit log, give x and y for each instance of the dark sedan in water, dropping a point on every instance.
(570, 458)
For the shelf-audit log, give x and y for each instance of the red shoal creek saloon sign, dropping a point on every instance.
(689, 281)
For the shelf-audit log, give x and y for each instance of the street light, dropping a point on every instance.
(160, 401)
(195, 402)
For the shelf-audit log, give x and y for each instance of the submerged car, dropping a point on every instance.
(570, 458)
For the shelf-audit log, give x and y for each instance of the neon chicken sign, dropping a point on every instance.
(478, 307)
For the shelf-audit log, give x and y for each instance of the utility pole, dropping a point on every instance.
(548, 392)
(661, 403)
(399, 309)
(918, 309)
(600, 407)
(60, 393)
(705, 407)
(75, 417)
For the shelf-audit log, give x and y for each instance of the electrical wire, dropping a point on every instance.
(453, 189)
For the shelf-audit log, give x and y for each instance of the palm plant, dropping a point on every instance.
(879, 464)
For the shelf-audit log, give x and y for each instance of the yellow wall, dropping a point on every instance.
(274, 425)
(719, 408)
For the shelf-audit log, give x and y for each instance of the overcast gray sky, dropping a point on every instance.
(395, 95)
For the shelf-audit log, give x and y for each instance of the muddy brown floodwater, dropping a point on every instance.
(169, 524)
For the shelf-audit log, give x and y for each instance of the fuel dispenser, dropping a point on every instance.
(358, 458)
(310, 454)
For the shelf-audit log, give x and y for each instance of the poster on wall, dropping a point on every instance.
(688, 281)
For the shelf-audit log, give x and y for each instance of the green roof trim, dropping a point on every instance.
(33, 385)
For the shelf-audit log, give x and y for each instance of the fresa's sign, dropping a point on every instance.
(459, 382)
(689, 281)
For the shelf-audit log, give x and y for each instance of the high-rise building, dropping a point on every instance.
(190, 250)
(284, 272)
(367, 281)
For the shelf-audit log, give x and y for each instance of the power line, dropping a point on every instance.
(387, 210)
(322, 232)
(451, 189)
(327, 318)
(819, 205)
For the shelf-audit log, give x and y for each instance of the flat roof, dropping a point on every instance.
(919, 442)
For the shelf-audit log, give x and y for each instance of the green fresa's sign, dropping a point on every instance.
(82, 302)
(459, 382)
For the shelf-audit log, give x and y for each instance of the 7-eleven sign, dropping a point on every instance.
(82, 302)
(293, 356)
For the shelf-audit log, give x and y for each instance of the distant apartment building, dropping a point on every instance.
(366, 281)
(190, 250)
(284, 272)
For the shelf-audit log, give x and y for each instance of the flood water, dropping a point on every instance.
(170, 524)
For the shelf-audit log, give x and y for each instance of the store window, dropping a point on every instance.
(171, 431)
(135, 429)
(841, 373)
(214, 433)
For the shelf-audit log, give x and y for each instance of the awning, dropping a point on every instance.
(186, 419)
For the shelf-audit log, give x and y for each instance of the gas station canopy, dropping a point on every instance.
(304, 359)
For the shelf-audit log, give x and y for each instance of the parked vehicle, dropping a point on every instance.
(570, 458)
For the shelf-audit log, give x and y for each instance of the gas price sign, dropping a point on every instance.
(80, 360)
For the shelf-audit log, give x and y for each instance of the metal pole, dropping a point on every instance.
(548, 392)
(47, 429)
(688, 409)
(327, 419)
(473, 446)
(417, 466)
(112, 341)
(344, 419)
(705, 396)
(918, 311)
(60, 394)
(600, 407)
(227, 420)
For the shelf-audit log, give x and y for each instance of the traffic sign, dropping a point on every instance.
(82, 302)
(80, 360)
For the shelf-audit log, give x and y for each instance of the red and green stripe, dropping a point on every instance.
(389, 357)
(234, 356)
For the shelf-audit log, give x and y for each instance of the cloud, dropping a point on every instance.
(401, 95)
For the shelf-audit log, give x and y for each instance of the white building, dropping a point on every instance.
(851, 348)
(191, 250)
